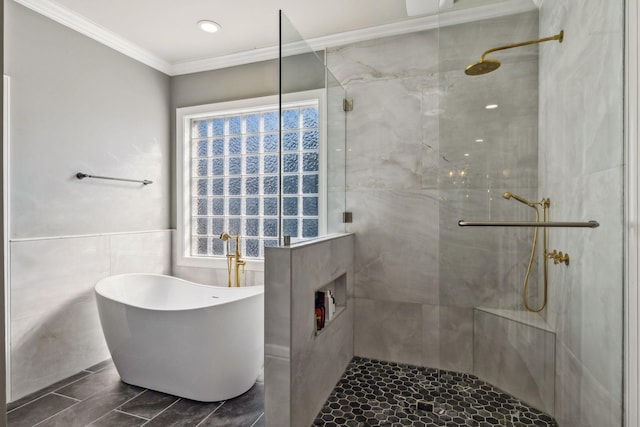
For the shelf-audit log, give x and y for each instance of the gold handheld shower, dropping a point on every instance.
(545, 204)
(485, 66)
(508, 196)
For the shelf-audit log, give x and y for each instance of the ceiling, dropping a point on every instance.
(164, 34)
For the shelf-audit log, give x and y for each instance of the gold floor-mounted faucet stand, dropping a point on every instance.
(234, 260)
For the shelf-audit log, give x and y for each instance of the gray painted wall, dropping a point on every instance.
(80, 106)
(227, 84)
(77, 105)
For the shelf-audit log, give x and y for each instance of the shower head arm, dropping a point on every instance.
(559, 37)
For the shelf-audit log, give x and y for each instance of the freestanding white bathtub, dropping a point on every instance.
(195, 341)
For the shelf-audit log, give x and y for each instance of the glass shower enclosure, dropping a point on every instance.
(541, 133)
(539, 330)
(303, 74)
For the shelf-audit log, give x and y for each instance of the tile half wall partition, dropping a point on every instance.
(54, 326)
(303, 365)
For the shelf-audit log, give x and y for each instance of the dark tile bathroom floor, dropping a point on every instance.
(373, 393)
(96, 397)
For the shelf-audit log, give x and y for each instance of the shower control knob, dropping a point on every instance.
(558, 257)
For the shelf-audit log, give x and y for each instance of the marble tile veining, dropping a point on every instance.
(388, 330)
(388, 58)
(55, 330)
(456, 338)
(385, 136)
(414, 126)
(580, 398)
(141, 252)
(396, 249)
(581, 163)
(516, 357)
(54, 327)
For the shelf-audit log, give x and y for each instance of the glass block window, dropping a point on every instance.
(237, 174)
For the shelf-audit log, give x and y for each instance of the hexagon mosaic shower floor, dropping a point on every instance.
(374, 393)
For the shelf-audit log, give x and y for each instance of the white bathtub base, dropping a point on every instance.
(209, 354)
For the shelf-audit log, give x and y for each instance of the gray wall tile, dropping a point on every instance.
(55, 328)
(456, 338)
(301, 368)
(388, 330)
(516, 357)
(581, 158)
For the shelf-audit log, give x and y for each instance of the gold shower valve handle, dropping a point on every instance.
(558, 257)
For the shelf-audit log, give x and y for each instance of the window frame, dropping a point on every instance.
(185, 115)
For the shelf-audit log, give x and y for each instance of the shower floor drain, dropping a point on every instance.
(375, 393)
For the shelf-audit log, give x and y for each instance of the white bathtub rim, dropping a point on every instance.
(233, 294)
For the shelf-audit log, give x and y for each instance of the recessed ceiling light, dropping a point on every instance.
(479, 140)
(209, 26)
(466, 154)
(491, 106)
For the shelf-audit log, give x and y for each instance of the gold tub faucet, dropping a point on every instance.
(234, 260)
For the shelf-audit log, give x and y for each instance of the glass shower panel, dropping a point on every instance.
(488, 146)
(510, 319)
(336, 155)
(317, 178)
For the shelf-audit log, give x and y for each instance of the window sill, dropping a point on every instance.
(218, 263)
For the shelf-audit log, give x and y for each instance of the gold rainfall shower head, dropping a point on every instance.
(485, 66)
(224, 236)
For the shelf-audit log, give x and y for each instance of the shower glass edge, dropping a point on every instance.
(303, 69)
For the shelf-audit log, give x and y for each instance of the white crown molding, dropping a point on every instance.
(90, 29)
(112, 40)
(319, 43)
(225, 61)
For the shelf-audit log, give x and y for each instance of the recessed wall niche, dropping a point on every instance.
(330, 302)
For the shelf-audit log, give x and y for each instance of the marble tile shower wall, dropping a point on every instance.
(412, 304)
(581, 170)
(393, 83)
(482, 154)
(54, 327)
